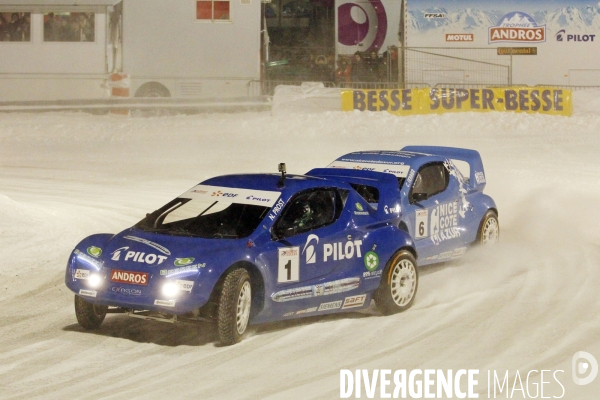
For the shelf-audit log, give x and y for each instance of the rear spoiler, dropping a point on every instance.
(471, 157)
(386, 183)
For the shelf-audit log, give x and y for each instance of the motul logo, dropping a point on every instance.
(459, 37)
(132, 278)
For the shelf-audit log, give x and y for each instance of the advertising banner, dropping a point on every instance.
(550, 42)
(366, 25)
(542, 100)
(484, 22)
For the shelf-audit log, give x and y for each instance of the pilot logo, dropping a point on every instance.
(116, 255)
(584, 363)
(311, 256)
(562, 35)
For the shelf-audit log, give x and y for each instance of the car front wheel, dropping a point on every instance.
(398, 285)
(235, 302)
(89, 315)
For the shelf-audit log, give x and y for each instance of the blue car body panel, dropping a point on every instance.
(334, 267)
(330, 260)
(444, 225)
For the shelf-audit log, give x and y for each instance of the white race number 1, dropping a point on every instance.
(288, 265)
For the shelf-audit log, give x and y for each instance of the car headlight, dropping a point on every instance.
(94, 280)
(170, 289)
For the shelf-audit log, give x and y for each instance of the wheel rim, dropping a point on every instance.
(243, 307)
(403, 283)
(490, 231)
(98, 311)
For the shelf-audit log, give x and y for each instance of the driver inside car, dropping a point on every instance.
(305, 219)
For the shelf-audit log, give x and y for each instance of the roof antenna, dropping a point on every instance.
(281, 169)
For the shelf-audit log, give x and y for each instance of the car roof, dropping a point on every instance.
(407, 157)
(269, 182)
(386, 158)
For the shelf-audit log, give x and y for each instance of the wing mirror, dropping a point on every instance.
(418, 197)
(280, 233)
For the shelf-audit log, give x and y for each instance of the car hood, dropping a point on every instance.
(137, 250)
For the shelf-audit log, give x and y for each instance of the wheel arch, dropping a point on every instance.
(478, 236)
(404, 240)
(256, 279)
(152, 89)
(410, 249)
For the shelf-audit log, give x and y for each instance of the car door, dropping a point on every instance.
(314, 247)
(435, 209)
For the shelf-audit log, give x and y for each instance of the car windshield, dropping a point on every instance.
(192, 217)
(211, 212)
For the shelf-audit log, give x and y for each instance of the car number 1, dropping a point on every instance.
(288, 265)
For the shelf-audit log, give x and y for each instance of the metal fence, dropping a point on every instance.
(570, 87)
(417, 67)
(382, 85)
(457, 66)
(474, 85)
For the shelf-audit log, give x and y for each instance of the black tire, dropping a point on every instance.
(489, 229)
(89, 316)
(234, 306)
(399, 283)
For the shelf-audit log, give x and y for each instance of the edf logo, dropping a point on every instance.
(560, 37)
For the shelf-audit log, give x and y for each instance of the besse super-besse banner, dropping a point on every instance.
(542, 100)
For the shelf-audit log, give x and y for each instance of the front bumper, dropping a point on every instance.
(138, 290)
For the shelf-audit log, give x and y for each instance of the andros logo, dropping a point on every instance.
(517, 26)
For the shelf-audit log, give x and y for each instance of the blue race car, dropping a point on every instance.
(247, 249)
(440, 202)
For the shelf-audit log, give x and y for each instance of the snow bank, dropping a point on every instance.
(528, 304)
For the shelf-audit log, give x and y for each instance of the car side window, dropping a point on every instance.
(308, 211)
(430, 180)
(369, 193)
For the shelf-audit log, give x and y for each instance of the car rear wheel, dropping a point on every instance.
(89, 316)
(235, 302)
(489, 229)
(398, 285)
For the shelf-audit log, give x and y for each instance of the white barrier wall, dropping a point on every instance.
(310, 98)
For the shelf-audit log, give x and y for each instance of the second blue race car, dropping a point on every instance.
(253, 248)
